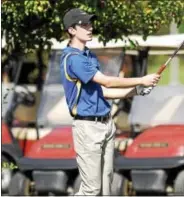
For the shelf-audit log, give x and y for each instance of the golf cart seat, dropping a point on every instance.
(164, 105)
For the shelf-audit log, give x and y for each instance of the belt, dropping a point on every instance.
(93, 118)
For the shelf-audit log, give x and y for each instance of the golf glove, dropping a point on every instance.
(141, 90)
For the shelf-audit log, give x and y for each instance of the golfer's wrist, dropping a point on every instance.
(140, 81)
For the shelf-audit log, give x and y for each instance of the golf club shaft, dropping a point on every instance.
(162, 68)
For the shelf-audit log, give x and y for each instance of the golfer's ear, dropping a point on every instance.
(71, 31)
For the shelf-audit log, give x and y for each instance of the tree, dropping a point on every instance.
(29, 24)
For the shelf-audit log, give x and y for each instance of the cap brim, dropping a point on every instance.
(89, 18)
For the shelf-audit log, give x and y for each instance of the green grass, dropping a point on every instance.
(154, 63)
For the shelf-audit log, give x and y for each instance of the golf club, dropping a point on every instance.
(162, 68)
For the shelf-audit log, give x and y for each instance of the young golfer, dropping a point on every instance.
(87, 91)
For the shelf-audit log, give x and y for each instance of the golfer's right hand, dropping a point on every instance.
(150, 80)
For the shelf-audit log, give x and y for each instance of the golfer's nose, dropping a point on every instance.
(90, 27)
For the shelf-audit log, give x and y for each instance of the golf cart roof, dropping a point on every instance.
(154, 42)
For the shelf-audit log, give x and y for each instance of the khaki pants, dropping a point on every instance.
(94, 146)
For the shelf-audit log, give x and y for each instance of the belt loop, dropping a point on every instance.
(96, 119)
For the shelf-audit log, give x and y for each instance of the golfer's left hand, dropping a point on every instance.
(141, 90)
(146, 90)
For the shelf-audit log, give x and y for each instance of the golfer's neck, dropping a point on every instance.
(76, 43)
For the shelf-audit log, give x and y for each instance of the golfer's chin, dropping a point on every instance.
(89, 38)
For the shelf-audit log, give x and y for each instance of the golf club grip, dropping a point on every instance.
(161, 69)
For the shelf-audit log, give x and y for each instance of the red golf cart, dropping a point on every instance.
(153, 162)
(44, 151)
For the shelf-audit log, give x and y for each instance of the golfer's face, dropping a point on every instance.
(84, 32)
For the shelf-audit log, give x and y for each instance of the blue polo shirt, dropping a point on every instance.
(83, 66)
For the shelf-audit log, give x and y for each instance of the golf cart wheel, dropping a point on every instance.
(179, 184)
(6, 174)
(20, 185)
(127, 188)
(77, 184)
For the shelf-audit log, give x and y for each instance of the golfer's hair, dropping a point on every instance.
(70, 36)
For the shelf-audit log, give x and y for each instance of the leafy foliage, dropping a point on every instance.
(30, 24)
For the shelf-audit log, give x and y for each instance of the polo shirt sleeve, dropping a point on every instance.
(82, 68)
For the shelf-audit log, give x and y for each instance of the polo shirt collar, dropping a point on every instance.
(86, 50)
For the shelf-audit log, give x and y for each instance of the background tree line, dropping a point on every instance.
(30, 24)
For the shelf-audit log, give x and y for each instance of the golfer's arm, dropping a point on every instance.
(116, 82)
(116, 93)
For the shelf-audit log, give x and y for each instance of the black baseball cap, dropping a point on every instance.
(77, 16)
